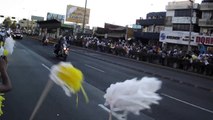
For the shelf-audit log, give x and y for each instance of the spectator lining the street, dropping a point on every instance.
(175, 56)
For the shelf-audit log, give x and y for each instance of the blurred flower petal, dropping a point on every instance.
(133, 95)
(1, 104)
(9, 45)
(68, 77)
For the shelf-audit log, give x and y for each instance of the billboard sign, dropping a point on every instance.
(37, 18)
(177, 37)
(51, 16)
(135, 26)
(207, 40)
(76, 14)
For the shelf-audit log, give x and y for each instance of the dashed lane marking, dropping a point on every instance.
(94, 68)
(45, 67)
(187, 103)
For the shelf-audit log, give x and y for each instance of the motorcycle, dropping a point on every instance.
(62, 52)
(45, 42)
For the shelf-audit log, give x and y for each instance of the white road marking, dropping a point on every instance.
(94, 68)
(25, 51)
(104, 108)
(187, 103)
(113, 113)
(46, 67)
(108, 110)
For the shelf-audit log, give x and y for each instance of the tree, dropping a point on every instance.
(7, 22)
(13, 26)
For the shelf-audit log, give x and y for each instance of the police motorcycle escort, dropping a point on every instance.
(45, 40)
(61, 49)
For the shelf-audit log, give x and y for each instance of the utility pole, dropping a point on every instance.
(190, 29)
(85, 10)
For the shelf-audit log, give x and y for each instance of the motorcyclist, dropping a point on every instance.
(45, 39)
(62, 40)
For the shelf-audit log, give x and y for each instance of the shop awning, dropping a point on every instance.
(50, 24)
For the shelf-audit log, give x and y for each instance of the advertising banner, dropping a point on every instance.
(206, 40)
(134, 26)
(76, 14)
(37, 18)
(177, 37)
(51, 16)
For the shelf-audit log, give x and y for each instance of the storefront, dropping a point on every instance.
(181, 39)
(147, 37)
(170, 39)
(206, 42)
(54, 28)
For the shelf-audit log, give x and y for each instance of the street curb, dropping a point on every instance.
(52, 42)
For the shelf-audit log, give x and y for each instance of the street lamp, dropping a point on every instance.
(190, 29)
(85, 10)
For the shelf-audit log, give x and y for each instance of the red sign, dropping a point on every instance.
(207, 40)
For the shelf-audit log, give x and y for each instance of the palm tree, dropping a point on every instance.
(13, 25)
(7, 22)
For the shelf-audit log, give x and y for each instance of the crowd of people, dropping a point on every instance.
(175, 56)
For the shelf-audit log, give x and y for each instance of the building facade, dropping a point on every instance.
(151, 27)
(25, 23)
(178, 16)
(206, 21)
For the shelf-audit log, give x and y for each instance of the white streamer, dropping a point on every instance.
(132, 95)
(9, 45)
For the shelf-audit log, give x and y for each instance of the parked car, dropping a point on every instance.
(17, 35)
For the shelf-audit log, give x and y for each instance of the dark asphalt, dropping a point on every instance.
(29, 78)
(180, 101)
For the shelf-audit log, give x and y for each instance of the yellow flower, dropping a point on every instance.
(1, 43)
(68, 77)
(1, 105)
(5, 52)
(71, 76)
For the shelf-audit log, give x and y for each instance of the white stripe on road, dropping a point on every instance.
(26, 52)
(187, 103)
(109, 111)
(94, 68)
(104, 108)
(113, 113)
(45, 67)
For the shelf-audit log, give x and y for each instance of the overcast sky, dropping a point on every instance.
(120, 12)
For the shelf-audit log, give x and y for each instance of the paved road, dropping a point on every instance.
(180, 101)
(29, 76)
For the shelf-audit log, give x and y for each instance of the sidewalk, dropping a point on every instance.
(39, 38)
